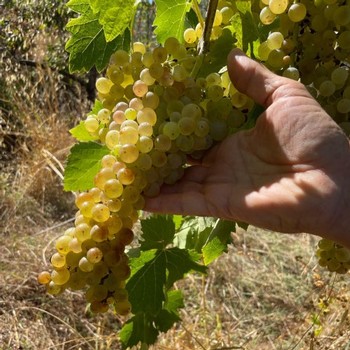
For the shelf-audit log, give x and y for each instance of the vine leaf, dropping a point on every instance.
(158, 232)
(154, 269)
(138, 328)
(87, 46)
(81, 134)
(84, 161)
(114, 16)
(170, 19)
(218, 240)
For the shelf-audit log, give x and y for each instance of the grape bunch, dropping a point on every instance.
(154, 114)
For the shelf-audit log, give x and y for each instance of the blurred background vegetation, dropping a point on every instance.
(266, 293)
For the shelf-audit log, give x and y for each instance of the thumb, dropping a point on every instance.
(252, 78)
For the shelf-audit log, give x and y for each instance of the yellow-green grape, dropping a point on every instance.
(131, 194)
(267, 16)
(344, 40)
(98, 234)
(226, 13)
(171, 129)
(180, 73)
(275, 59)
(340, 75)
(122, 308)
(120, 58)
(291, 73)
(81, 198)
(171, 45)
(113, 189)
(44, 277)
(147, 115)
(156, 70)
(274, 40)
(60, 276)
(217, 18)
(145, 129)
(215, 92)
(128, 153)
(187, 125)
(343, 105)
(327, 88)
(102, 176)
(125, 176)
(94, 255)
(341, 15)
(139, 47)
(114, 223)
(160, 54)
(103, 85)
(131, 123)
(190, 36)
(159, 158)
(278, 6)
(140, 88)
(150, 100)
(297, 12)
(82, 232)
(100, 212)
(264, 51)
(86, 208)
(58, 260)
(119, 116)
(112, 139)
(75, 245)
(144, 145)
(103, 115)
(128, 135)
(162, 143)
(91, 124)
(85, 265)
(146, 77)
(62, 245)
(136, 104)
(53, 288)
(114, 205)
(130, 114)
(99, 307)
(107, 161)
(199, 30)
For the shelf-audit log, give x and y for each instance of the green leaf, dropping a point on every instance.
(177, 221)
(114, 16)
(154, 270)
(79, 6)
(140, 328)
(193, 233)
(169, 315)
(218, 240)
(87, 46)
(84, 161)
(145, 287)
(97, 106)
(81, 134)
(170, 19)
(179, 262)
(158, 232)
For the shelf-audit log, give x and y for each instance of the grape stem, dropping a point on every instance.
(203, 45)
(197, 11)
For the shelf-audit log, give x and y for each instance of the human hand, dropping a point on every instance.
(290, 173)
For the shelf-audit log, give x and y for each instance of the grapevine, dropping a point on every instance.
(158, 105)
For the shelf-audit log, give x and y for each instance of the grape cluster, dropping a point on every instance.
(311, 42)
(333, 256)
(154, 114)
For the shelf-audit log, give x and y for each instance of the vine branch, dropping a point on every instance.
(209, 20)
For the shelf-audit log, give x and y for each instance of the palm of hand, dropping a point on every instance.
(287, 174)
(273, 176)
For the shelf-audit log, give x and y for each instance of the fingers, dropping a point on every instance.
(252, 78)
